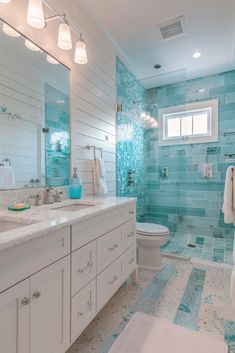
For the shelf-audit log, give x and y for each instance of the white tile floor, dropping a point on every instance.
(215, 304)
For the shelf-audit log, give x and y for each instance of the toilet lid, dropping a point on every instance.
(151, 229)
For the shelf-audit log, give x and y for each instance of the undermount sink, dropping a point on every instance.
(6, 225)
(74, 207)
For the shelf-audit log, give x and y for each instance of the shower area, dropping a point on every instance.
(169, 181)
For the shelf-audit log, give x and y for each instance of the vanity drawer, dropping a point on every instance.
(92, 228)
(83, 309)
(129, 261)
(21, 261)
(83, 266)
(131, 211)
(109, 247)
(129, 234)
(109, 281)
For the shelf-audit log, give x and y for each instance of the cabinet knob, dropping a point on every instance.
(115, 246)
(79, 314)
(36, 294)
(131, 212)
(131, 234)
(25, 301)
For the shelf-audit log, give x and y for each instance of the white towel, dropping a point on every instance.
(100, 176)
(232, 288)
(7, 178)
(229, 196)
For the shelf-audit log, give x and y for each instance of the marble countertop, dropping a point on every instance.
(42, 220)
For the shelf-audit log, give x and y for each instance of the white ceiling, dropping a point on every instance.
(210, 28)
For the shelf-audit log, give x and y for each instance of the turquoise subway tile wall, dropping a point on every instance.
(185, 202)
(131, 138)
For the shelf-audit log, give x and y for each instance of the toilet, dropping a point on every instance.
(150, 237)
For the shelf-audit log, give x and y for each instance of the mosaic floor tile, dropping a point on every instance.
(190, 304)
(205, 247)
(212, 314)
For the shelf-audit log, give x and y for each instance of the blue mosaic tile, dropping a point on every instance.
(189, 307)
(229, 335)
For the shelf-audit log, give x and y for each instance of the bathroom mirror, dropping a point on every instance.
(34, 115)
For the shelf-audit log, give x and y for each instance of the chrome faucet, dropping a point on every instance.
(49, 198)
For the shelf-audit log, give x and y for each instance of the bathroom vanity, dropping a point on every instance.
(59, 266)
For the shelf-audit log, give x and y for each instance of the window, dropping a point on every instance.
(191, 123)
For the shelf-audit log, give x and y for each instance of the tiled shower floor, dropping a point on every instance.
(205, 247)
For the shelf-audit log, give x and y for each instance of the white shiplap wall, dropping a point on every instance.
(93, 86)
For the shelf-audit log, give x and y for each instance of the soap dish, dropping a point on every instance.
(19, 207)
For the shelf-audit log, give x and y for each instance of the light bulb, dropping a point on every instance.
(35, 15)
(5, 1)
(10, 31)
(31, 45)
(197, 55)
(80, 56)
(52, 60)
(64, 37)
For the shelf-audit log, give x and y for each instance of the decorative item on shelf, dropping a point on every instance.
(10, 115)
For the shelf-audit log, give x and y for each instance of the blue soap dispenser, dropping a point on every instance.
(75, 186)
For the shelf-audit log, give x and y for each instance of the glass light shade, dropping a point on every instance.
(31, 45)
(10, 31)
(64, 37)
(35, 15)
(51, 60)
(80, 56)
(5, 1)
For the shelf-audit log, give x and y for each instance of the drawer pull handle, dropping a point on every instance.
(115, 278)
(79, 314)
(131, 234)
(131, 212)
(131, 261)
(89, 265)
(36, 294)
(115, 246)
(25, 301)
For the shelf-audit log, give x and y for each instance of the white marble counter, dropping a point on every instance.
(42, 220)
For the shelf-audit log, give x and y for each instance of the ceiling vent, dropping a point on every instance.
(173, 28)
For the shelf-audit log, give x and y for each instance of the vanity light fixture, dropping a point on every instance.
(10, 31)
(36, 19)
(64, 36)
(5, 1)
(35, 15)
(52, 60)
(80, 56)
(31, 45)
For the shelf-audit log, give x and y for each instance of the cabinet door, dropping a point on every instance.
(49, 308)
(14, 319)
(83, 309)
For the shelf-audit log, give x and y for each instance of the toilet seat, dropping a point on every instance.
(151, 229)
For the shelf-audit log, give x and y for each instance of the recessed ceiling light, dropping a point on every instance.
(197, 55)
(157, 66)
(201, 90)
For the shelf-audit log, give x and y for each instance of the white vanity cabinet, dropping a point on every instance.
(14, 314)
(35, 313)
(53, 286)
(103, 257)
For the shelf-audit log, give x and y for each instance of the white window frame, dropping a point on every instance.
(184, 110)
